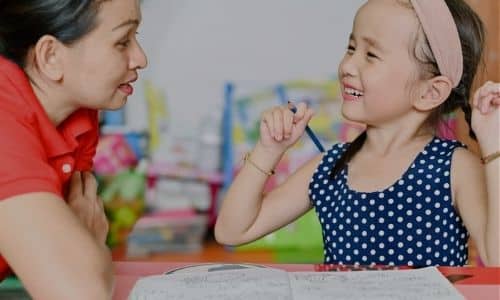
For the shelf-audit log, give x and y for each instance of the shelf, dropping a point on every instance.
(212, 252)
(183, 173)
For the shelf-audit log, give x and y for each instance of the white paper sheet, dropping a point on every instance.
(427, 283)
(273, 284)
(222, 285)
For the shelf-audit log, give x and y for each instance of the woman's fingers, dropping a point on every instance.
(89, 185)
(75, 186)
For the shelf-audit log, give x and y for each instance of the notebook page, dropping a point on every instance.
(425, 283)
(263, 284)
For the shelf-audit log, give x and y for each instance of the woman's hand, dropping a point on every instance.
(486, 117)
(280, 128)
(84, 202)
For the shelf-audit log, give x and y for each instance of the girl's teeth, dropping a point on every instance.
(353, 92)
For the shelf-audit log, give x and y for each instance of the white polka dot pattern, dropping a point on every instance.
(412, 222)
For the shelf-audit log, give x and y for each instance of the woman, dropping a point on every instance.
(60, 62)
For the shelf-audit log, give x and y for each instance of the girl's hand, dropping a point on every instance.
(280, 128)
(486, 117)
(84, 202)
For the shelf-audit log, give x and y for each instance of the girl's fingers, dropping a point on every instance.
(301, 110)
(475, 98)
(287, 122)
(492, 88)
(269, 121)
(489, 88)
(496, 101)
(484, 103)
(280, 121)
(278, 124)
(308, 114)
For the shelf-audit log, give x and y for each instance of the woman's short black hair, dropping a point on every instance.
(24, 22)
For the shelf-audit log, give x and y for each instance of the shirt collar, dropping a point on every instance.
(57, 140)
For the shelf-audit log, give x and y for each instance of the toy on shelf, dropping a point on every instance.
(172, 186)
(123, 198)
(113, 155)
(169, 231)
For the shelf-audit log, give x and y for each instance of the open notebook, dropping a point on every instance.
(274, 284)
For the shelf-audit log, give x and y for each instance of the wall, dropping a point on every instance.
(195, 46)
(489, 11)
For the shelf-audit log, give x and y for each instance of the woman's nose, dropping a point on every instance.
(138, 58)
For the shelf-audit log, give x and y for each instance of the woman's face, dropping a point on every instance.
(100, 67)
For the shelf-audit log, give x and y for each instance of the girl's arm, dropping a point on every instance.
(476, 196)
(51, 251)
(477, 189)
(246, 214)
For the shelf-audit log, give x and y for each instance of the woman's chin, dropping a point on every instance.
(116, 103)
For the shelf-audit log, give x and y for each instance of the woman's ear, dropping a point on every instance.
(433, 93)
(47, 57)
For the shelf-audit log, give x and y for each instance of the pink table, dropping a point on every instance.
(472, 282)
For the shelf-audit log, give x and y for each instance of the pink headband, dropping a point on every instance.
(442, 34)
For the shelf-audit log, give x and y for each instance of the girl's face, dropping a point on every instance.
(377, 70)
(100, 67)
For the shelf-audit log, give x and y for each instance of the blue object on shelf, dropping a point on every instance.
(114, 117)
(227, 136)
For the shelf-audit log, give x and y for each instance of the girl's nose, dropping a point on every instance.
(347, 66)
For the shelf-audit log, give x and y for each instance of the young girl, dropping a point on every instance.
(396, 195)
(60, 62)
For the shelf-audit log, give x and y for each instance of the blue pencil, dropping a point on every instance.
(311, 134)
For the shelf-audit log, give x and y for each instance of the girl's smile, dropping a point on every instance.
(349, 93)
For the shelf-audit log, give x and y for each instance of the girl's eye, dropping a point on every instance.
(350, 49)
(371, 55)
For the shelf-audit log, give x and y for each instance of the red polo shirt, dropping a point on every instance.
(35, 155)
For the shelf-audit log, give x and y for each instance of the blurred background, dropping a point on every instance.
(165, 160)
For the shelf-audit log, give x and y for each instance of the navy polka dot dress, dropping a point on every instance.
(412, 222)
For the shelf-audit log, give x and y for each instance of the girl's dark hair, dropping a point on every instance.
(472, 36)
(24, 22)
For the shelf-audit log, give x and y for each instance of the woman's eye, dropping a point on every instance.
(351, 49)
(371, 55)
(124, 43)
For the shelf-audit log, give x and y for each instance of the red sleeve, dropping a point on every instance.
(84, 158)
(23, 163)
